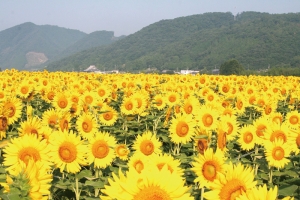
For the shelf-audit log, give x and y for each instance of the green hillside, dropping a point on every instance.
(257, 40)
(17, 41)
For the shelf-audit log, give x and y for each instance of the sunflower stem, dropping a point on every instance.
(271, 175)
(202, 192)
(97, 173)
(76, 189)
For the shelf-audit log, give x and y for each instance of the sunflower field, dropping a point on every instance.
(71, 135)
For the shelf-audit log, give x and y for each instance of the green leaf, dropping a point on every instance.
(287, 190)
(84, 173)
(95, 184)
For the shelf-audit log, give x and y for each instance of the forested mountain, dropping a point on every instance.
(257, 40)
(26, 46)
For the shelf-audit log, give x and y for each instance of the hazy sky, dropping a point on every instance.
(124, 17)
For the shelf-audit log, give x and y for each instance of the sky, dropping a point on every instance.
(125, 17)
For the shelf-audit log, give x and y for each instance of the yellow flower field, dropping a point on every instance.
(70, 135)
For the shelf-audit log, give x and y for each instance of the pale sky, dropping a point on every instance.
(124, 17)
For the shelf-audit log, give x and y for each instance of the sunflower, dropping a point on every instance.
(247, 137)
(278, 131)
(122, 151)
(100, 150)
(138, 161)
(21, 149)
(295, 141)
(160, 160)
(232, 124)
(260, 193)
(202, 140)
(86, 125)
(207, 166)
(108, 115)
(142, 102)
(293, 118)
(276, 117)
(261, 125)
(67, 151)
(13, 107)
(50, 118)
(65, 122)
(147, 144)
(62, 102)
(24, 89)
(31, 126)
(129, 106)
(159, 101)
(276, 153)
(222, 136)
(104, 91)
(173, 98)
(236, 181)
(182, 128)
(191, 105)
(148, 185)
(207, 118)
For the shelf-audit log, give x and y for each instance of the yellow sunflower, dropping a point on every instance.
(182, 128)
(24, 89)
(13, 107)
(65, 122)
(276, 153)
(101, 151)
(191, 105)
(207, 166)
(159, 101)
(261, 125)
(50, 118)
(232, 124)
(142, 102)
(3, 126)
(62, 101)
(147, 144)
(86, 125)
(129, 106)
(293, 118)
(207, 118)
(173, 98)
(122, 151)
(278, 131)
(160, 160)
(202, 140)
(260, 193)
(236, 181)
(21, 149)
(67, 151)
(148, 185)
(31, 126)
(247, 137)
(108, 115)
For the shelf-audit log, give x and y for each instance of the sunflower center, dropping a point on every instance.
(152, 193)
(278, 153)
(29, 152)
(278, 134)
(230, 128)
(24, 90)
(298, 141)
(188, 108)
(158, 102)
(172, 98)
(260, 130)
(101, 92)
(161, 165)
(210, 97)
(294, 119)
(67, 152)
(207, 120)
(182, 129)
(138, 166)
(209, 170)
(12, 109)
(225, 88)
(108, 116)
(64, 125)
(248, 137)
(222, 140)
(100, 149)
(129, 105)
(268, 110)
(232, 189)
(87, 126)
(88, 99)
(63, 102)
(147, 147)
(3, 123)
(50, 95)
(121, 150)
(239, 104)
(202, 145)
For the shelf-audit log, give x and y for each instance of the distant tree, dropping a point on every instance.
(231, 67)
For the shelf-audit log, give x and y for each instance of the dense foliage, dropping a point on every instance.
(257, 40)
